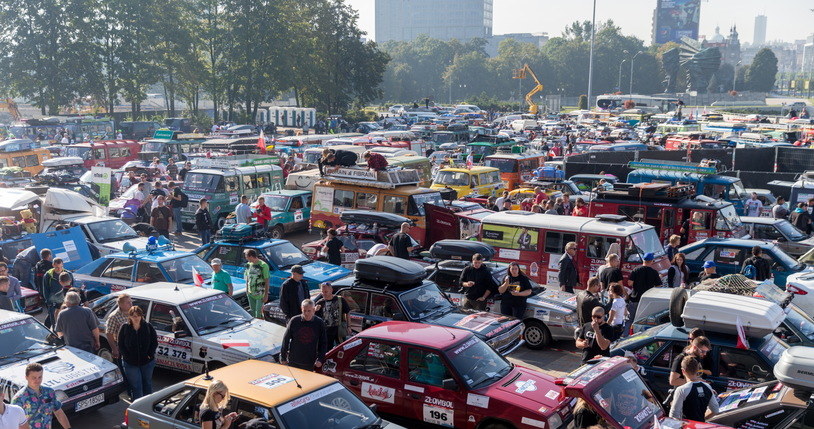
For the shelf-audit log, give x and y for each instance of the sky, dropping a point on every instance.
(787, 20)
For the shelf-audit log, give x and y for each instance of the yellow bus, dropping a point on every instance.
(479, 181)
(23, 153)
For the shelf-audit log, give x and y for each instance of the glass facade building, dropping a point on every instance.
(405, 20)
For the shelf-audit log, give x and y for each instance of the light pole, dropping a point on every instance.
(591, 57)
(619, 83)
(631, 71)
(735, 77)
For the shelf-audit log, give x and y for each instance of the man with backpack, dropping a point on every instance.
(40, 268)
(757, 267)
(178, 201)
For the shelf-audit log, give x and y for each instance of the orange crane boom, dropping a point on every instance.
(9, 105)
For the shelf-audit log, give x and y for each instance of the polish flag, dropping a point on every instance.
(470, 161)
(234, 343)
(197, 278)
(261, 142)
(743, 343)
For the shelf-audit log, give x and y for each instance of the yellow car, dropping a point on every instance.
(475, 181)
(518, 195)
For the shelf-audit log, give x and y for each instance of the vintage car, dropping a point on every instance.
(290, 211)
(779, 231)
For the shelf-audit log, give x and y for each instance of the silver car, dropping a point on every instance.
(779, 231)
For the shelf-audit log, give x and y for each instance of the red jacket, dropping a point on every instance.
(377, 162)
(263, 214)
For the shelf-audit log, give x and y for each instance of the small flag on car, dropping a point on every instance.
(197, 278)
(743, 343)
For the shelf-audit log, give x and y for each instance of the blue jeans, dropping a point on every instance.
(140, 378)
(51, 320)
(176, 216)
(206, 236)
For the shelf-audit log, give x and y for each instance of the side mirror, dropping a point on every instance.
(398, 316)
(781, 239)
(374, 408)
(450, 384)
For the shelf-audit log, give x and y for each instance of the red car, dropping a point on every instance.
(445, 376)
(31, 301)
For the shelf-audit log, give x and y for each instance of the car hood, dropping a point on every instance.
(63, 368)
(528, 389)
(318, 272)
(557, 300)
(255, 338)
(485, 325)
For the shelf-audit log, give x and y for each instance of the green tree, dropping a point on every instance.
(583, 102)
(762, 72)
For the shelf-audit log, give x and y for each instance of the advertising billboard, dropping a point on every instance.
(676, 19)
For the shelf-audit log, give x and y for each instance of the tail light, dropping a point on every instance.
(790, 288)
(126, 420)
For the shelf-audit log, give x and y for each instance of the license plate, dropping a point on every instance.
(89, 402)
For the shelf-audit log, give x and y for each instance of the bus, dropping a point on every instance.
(233, 145)
(106, 153)
(223, 189)
(81, 128)
(515, 168)
(486, 145)
(167, 144)
(460, 136)
(23, 153)
(672, 128)
(642, 102)
(537, 242)
(475, 181)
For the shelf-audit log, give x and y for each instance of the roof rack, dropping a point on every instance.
(387, 179)
(704, 167)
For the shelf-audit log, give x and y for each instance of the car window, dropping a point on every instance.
(598, 246)
(168, 405)
(765, 232)
(665, 358)
(742, 364)
(644, 353)
(555, 241)
(728, 255)
(447, 281)
(120, 269)
(384, 306)
(378, 358)
(229, 255)
(393, 204)
(366, 200)
(696, 254)
(427, 367)
(190, 411)
(699, 220)
(148, 272)
(101, 310)
(99, 270)
(356, 299)
(248, 410)
(343, 198)
(164, 316)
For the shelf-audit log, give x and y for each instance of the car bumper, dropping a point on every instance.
(563, 332)
(110, 394)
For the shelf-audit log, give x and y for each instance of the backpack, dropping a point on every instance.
(184, 202)
(749, 271)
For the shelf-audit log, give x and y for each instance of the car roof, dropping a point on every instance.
(735, 242)
(669, 331)
(287, 192)
(245, 381)
(476, 169)
(12, 316)
(170, 292)
(156, 255)
(259, 243)
(420, 334)
(570, 223)
(761, 220)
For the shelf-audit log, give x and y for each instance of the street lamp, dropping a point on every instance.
(591, 57)
(735, 77)
(631, 71)
(619, 83)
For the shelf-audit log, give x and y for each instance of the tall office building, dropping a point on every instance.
(405, 20)
(760, 31)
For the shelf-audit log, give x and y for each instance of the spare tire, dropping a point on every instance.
(678, 299)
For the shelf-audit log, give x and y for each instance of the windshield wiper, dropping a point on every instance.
(376, 424)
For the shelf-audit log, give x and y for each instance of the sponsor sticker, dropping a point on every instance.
(509, 254)
(302, 400)
(418, 389)
(532, 422)
(174, 353)
(525, 386)
(271, 381)
(476, 400)
(439, 412)
(329, 366)
(378, 392)
(352, 344)
(552, 394)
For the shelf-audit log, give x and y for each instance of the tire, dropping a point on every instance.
(104, 352)
(536, 334)
(678, 299)
(276, 232)
(220, 222)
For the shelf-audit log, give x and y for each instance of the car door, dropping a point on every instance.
(358, 302)
(175, 349)
(116, 276)
(375, 375)
(728, 259)
(300, 211)
(188, 411)
(736, 368)
(657, 356)
(431, 390)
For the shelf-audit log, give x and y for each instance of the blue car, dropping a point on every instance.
(280, 255)
(729, 254)
(119, 271)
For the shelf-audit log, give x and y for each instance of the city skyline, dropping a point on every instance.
(788, 20)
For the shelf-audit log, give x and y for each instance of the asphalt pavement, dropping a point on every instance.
(557, 361)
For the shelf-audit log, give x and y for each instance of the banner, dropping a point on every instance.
(101, 178)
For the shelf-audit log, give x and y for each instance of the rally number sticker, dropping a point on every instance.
(298, 216)
(174, 353)
(439, 415)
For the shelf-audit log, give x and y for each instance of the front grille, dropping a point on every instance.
(81, 389)
(507, 339)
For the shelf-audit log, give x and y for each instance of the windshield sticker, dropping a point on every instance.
(224, 249)
(174, 353)
(476, 400)
(7, 327)
(735, 384)
(629, 375)
(465, 345)
(305, 399)
(643, 414)
(439, 415)
(271, 381)
(771, 396)
(418, 389)
(532, 422)
(475, 322)
(201, 301)
(525, 386)
(552, 394)
(757, 394)
(378, 392)
(353, 344)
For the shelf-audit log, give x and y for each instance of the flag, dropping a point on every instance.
(656, 423)
(470, 160)
(197, 278)
(743, 343)
(261, 142)
(235, 343)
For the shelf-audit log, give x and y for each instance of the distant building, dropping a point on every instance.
(674, 19)
(405, 20)
(536, 39)
(760, 31)
(730, 46)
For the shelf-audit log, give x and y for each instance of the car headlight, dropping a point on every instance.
(554, 421)
(112, 376)
(61, 396)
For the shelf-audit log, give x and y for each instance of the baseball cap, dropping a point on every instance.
(649, 256)
(216, 261)
(297, 269)
(709, 264)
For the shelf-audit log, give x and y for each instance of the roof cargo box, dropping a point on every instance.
(390, 270)
(461, 250)
(796, 368)
(383, 219)
(718, 312)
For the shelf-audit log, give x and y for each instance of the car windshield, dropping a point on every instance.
(728, 220)
(332, 403)
(738, 190)
(477, 363)
(801, 321)
(202, 182)
(773, 348)
(286, 255)
(82, 152)
(215, 313)
(784, 259)
(277, 203)
(482, 149)
(647, 242)
(424, 301)
(111, 230)
(153, 146)
(440, 138)
(452, 178)
(417, 201)
(312, 157)
(504, 165)
(179, 270)
(790, 231)
(628, 400)
(24, 336)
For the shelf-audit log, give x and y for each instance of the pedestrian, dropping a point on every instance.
(178, 200)
(293, 291)
(490, 204)
(262, 212)
(243, 213)
(113, 325)
(375, 161)
(610, 272)
(221, 280)
(618, 310)
(539, 195)
(757, 267)
(5, 302)
(800, 217)
(780, 211)
(477, 279)
(40, 268)
(642, 279)
(39, 402)
(138, 342)
(214, 403)
(692, 399)
(499, 202)
(128, 181)
(158, 191)
(402, 244)
(334, 311)
(333, 246)
(14, 292)
(160, 217)
(172, 169)
(78, 325)
(580, 209)
(565, 206)
(593, 338)
(697, 349)
(568, 275)
(753, 206)
(157, 165)
(305, 339)
(515, 290)
(257, 279)
(507, 205)
(587, 300)
(11, 416)
(182, 173)
(203, 221)
(550, 208)
(53, 289)
(672, 246)
(709, 271)
(679, 274)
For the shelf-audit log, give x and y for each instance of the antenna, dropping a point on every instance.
(291, 373)
(206, 371)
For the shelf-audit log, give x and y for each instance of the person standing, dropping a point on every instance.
(580, 209)
(262, 212)
(780, 211)
(568, 275)
(54, 290)
(698, 349)
(39, 402)
(401, 244)
(293, 291)
(305, 339)
(172, 169)
(692, 399)
(334, 311)
(594, 338)
(618, 310)
(479, 283)
(499, 202)
(221, 280)
(12, 416)
(761, 268)
(753, 206)
(565, 207)
(161, 216)
(158, 190)
(587, 300)
(801, 218)
(672, 246)
(14, 293)
(610, 272)
(642, 279)
(182, 173)
(257, 281)
(679, 274)
(515, 290)
(550, 209)
(709, 271)
(158, 166)
(243, 213)
(178, 201)
(40, 269)
(138, 342)
(78, 325)
(215, 401)
(203, 221)
(333, 247)
(113, 324)
(5, 302)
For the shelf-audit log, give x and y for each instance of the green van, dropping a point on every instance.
(412, 162)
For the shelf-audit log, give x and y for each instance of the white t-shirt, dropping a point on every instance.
(13, 417)
(619, 307)
(375, 249)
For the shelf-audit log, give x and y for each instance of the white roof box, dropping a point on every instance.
(796, 368)
(718, 312)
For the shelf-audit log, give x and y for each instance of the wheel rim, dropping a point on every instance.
(534, 335)
(276, 233)
(106, 354)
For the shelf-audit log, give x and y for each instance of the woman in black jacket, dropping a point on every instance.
(137, 344)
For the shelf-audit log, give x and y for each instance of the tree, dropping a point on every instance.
(762, 72)
(583, 102)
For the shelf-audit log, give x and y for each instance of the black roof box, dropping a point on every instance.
(460, 250)
(383, 219)
(390, 270)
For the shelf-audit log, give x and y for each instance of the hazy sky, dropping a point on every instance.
(787, 19)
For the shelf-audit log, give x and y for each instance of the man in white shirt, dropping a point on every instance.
(159, 166)
(11, 416)
(753, 206)
(243, 213)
